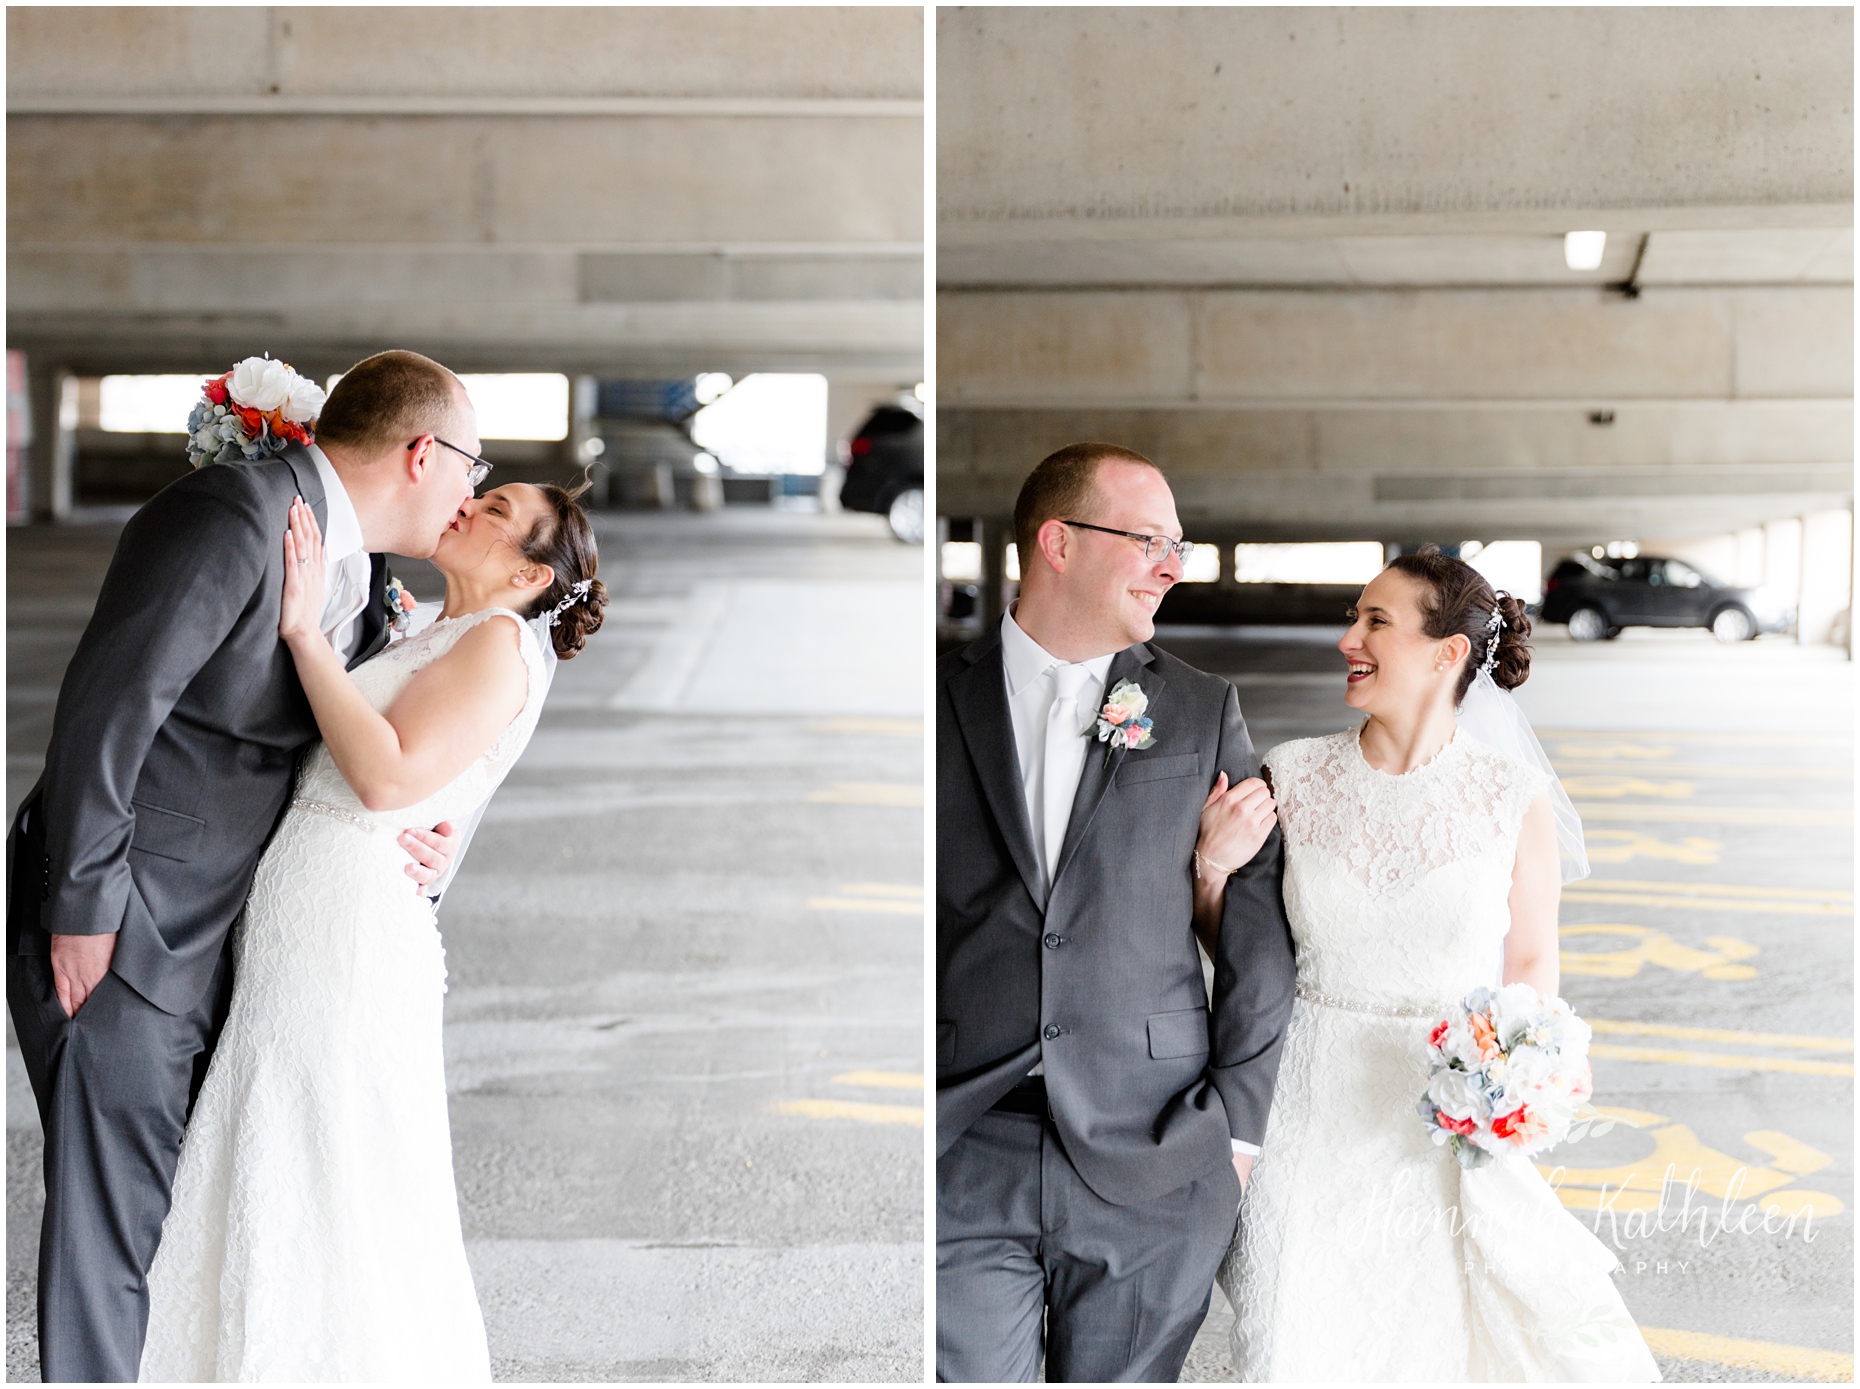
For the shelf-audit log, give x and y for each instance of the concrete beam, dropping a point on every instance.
(1150, 347)
(829, 52)
(1217, 113)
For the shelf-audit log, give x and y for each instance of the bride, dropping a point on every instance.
(314, 1234)
(1418, 859)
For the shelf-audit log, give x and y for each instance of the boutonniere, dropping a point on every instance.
(1121, 723)
(399, 604)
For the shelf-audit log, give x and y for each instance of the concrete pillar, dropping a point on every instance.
(1826, 578)
(1782, 558)
(52, 400)
(995, 534)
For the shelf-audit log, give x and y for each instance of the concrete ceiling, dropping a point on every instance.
(615, 190)
(1312, 261)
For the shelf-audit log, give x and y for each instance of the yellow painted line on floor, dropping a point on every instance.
(852, 1109)
(1815, 894)
(1714, 814)
(1719, 1034)
(882, 1080)
(884, 890)
(865, 904)
(1732, 771)
(894, 793)
(1722, 1060)
(1794, 1362)
(1735, 737)
(879, 728)
(1576, 892)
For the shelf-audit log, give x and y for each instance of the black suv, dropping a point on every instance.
(1598, 597)
(885, 470)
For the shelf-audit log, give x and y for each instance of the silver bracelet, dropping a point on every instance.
(1200, 861)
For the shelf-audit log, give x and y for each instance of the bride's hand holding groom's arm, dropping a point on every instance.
(1236, 821)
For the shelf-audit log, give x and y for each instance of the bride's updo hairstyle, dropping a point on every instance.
(565, 542)
(1455, 597)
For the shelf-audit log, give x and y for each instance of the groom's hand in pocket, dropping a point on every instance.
(432, 851)
(1243, 1168)
(78, 966)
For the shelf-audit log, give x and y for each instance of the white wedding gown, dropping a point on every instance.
(314, 1234)
(1364, 1251)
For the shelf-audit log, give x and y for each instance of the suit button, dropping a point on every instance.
(1052, 1031)
(1053, 941)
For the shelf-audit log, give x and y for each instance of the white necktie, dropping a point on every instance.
(346, 594)
(1064, 757)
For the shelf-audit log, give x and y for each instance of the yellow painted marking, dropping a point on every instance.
(1617, 785)
(1737, 737)
(1776, 901)
(1733, 771)
(1792, 1362)
(1656, 948)
(865, 904)
(1720, 1034)
(1643, 1184)
(1788, 1154)
(852, 1109)
(880, 728)
(1609, 752)
(1715, 814)
(884, 890)
(1805, 894)
(884, 1080)
(1618, 846)
(1722, 1060)
(895, 793)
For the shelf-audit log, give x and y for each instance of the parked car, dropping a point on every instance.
(1598, 597)
(884, 463)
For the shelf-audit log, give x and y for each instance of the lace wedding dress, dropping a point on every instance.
(1364, 1251)
(314, 1234)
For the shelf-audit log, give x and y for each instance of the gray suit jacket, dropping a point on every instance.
(179, 729)
(1101, 980)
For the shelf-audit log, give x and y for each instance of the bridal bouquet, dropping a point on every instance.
(252, 412)
(1510, 1074)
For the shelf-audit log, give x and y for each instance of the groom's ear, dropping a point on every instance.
(417, 457)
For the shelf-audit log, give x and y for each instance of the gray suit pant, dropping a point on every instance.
(114, 1087)
(1029, 1258)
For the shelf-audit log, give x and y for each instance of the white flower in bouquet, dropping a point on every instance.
(1459, 1095)
(259, 383)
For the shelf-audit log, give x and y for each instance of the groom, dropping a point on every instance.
(179, 728)
(1095, 1118)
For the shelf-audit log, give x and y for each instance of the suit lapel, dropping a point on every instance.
(979, 695)
(374, 613)
(1132, 663)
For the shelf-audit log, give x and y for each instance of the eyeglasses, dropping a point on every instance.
(1156, 548)
(480, 467)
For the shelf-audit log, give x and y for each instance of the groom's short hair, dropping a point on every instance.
(386, 399)
(1062, 487)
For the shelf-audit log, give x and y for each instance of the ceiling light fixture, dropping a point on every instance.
(1583, 250)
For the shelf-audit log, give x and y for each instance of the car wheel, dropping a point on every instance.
(1733, 624)
(906, 515)
(1588, 624)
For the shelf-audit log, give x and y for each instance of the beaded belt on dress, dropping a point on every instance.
(336, 812)
(1385, 1010)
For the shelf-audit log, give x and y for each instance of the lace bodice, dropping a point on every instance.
(1397, 887)
(382, 679)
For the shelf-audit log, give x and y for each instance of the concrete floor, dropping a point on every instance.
(684, 1027)
(1717, 793)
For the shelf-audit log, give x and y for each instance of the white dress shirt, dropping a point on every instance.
(1050, 741)
(348, 566)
